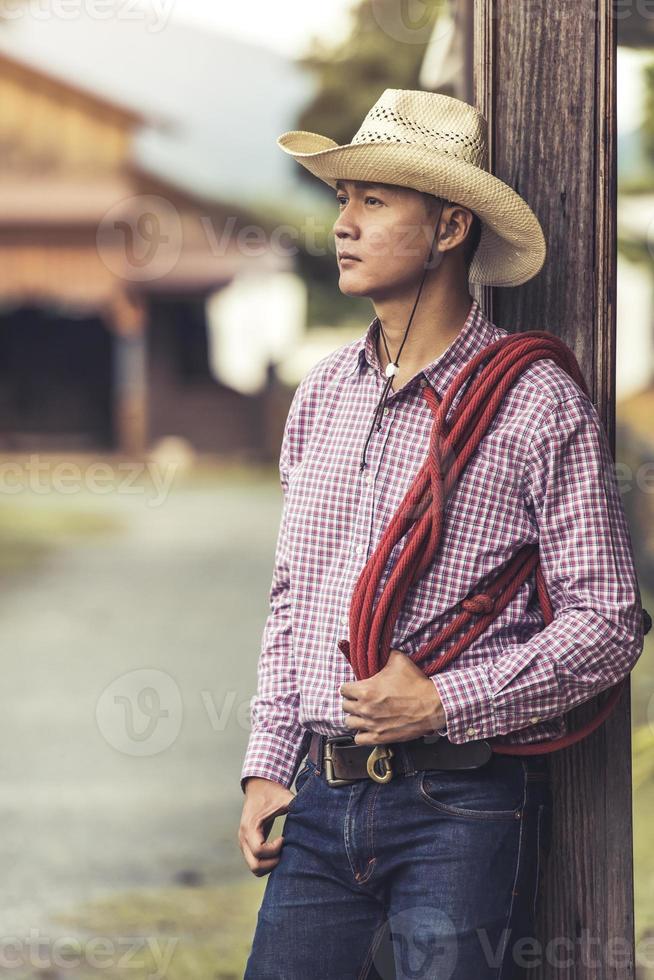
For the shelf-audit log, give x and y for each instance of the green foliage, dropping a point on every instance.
(354, 73)
(351, 76)
(202, 933)
(648, 125)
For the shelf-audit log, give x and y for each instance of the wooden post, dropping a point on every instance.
(126, 317)
(545, 78)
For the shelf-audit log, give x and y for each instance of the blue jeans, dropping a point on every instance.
(434, 875)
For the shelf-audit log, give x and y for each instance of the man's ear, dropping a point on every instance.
(458, 222)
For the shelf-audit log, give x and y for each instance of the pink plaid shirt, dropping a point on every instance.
(542, 473)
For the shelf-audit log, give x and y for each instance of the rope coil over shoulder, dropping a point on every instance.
(420, 518)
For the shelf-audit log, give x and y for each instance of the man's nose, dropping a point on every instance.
(345, 226)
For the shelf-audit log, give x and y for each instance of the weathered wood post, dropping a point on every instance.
(126, 318)
(545, 79)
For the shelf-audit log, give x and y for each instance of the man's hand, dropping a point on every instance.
(395, 705)
(264, 800)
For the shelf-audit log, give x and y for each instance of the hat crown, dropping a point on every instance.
(438, 122)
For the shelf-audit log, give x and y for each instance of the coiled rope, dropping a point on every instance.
(419, 518)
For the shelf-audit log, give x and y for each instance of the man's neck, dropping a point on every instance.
(437, 321)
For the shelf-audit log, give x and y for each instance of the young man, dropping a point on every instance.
(445, 857)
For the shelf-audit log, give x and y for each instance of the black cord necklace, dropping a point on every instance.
(393, 366)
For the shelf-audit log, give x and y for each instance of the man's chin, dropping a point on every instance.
(354, 289)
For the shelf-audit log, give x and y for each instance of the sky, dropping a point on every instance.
(285, 26)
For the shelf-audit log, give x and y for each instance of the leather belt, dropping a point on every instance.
(344, 762)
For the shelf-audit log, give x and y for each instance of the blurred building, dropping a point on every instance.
(105, 269)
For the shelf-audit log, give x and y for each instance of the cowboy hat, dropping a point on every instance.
(439, 145)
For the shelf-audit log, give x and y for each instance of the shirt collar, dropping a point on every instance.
(476, 333)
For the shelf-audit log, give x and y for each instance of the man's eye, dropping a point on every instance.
(343, 200)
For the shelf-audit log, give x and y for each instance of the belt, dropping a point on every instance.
(344, 761)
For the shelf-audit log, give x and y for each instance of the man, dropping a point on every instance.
(439, 856)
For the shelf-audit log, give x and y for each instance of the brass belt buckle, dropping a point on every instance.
(384, 754)
(329, 762)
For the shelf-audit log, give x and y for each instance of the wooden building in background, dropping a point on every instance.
(104, 273)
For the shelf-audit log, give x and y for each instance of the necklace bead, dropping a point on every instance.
(391, 369)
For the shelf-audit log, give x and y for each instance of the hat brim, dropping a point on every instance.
(512, 246)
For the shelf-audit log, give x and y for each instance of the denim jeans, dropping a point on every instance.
(434, 875)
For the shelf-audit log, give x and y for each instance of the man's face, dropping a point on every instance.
(389, 229)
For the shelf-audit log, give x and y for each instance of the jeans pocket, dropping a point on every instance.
(302, 779)
(491, 792)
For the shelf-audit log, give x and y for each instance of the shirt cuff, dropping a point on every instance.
(272, 757)
(468, 703)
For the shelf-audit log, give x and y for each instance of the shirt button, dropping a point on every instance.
(344, 621)
(423, 382)
(370, 370)
(471, 731)
(534, 719)
(368, 478)
(359, 549)
(386, 411)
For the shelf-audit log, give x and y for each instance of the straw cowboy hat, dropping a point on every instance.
(437, 144)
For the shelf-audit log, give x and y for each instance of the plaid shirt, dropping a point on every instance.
(542, 473)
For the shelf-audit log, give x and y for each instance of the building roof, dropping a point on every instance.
(34, 73)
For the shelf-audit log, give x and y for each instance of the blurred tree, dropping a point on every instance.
(384, 48)
(648, 122)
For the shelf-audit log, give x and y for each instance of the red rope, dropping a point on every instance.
(420, 518)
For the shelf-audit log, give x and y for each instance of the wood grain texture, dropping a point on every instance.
(545, 78)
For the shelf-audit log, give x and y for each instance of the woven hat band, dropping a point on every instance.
(457, 133)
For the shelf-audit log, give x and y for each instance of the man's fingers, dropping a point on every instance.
(356, 721)
(352, 689)
(260, 853)
(264, 849)
(258, 865)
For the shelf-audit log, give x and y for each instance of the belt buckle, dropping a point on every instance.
(381, 753)
(329, 763)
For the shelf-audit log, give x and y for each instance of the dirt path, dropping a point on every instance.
(93, 799)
